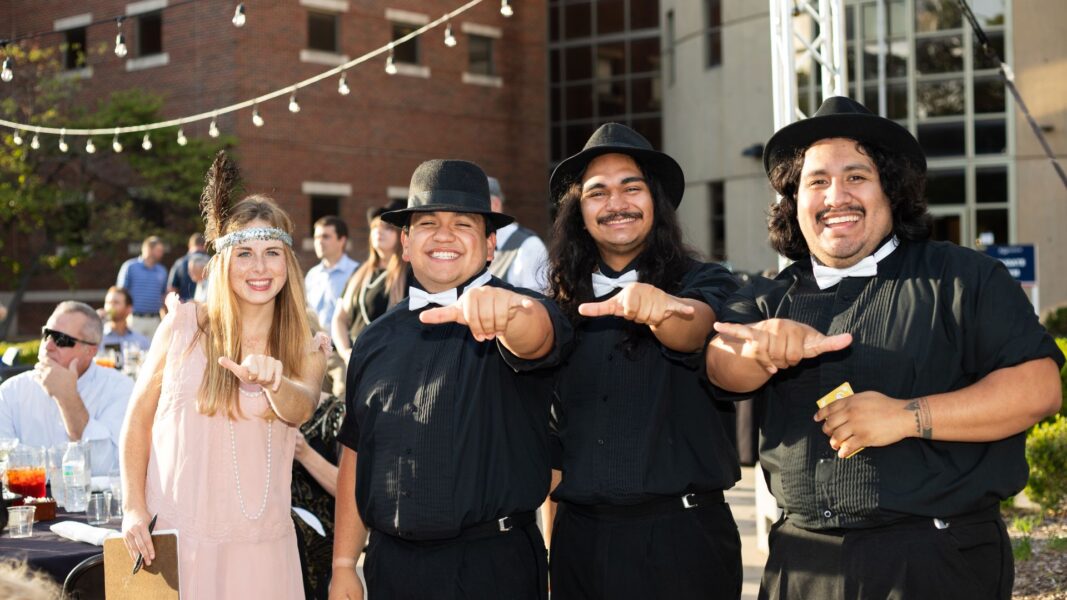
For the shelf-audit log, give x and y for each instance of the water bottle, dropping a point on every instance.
(76, 480)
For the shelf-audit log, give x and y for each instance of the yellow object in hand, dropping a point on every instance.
(842, 391)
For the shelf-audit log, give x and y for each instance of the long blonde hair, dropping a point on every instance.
(395, 270)
(290, 333)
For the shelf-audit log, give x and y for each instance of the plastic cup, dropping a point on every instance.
(98, 511)
(20, 521)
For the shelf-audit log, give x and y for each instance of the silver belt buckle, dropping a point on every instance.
(687, 501)
(938, 523)
(503, 524)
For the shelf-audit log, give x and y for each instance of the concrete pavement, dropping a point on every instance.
(742, 500)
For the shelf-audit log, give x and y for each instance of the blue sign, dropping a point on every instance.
(1020, 259)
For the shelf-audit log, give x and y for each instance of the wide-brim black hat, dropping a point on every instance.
(842, 117)
(448, 186)
(615, 138)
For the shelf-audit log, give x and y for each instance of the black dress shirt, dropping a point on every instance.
(636, 421)
(450, 432)
(936, 318)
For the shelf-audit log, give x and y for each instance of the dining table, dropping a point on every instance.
(50, 553)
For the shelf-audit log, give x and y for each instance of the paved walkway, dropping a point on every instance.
(742, 499)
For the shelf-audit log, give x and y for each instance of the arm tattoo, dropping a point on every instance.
(924, 422)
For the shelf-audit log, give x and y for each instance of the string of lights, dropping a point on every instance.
(239, 19)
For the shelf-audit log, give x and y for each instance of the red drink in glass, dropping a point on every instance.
(28, 481)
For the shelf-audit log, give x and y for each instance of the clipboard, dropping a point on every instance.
(158, 581)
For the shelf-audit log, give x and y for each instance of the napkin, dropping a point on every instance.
(80, 532)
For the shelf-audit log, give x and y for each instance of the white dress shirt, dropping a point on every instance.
(30, 414)
(530, 268)
(324, 287)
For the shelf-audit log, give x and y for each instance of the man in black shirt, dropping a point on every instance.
(643, 449)
(891, 492)
(448, 422)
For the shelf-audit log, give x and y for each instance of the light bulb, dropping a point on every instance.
(146, 142)
(35, 143)
(116, 145)
(182, 140)
(239, 15)
(213, 129)
(257, 120)
(16, 138)
(342, 85)
(63, 147)
(120, 45)
(7, 74)
(505, 8)
(450, 40)
(390, 66)
(294, 106)
(90, 147)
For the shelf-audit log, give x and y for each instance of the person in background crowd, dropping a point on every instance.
(198, 273)
(145, 278)
(209, 439)
(118, 304)
(379, 283)
(892, 488)
(68, 397)
(520, 258)
(325, 282)
(181, 279)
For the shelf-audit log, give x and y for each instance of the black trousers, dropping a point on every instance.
(970, 561)
(512, 565)
(688, 554)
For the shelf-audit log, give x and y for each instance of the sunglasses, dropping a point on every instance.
(61, 339)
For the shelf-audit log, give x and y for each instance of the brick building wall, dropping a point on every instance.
(369, 141)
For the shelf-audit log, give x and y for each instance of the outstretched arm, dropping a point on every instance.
(681, 324)
(521, 322)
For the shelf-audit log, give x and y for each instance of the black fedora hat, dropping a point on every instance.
(376, 211)
(448, 186)
(615, 138)
(841, 117)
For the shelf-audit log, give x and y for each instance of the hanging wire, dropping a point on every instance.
(288, 89)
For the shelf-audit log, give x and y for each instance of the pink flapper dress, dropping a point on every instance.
(225, 551)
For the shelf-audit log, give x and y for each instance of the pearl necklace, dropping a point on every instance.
(237, 474)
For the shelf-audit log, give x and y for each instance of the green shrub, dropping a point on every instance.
(27, 351)
(1022, 549)
(1046, 451)
(1055, 320)
(1062, 343)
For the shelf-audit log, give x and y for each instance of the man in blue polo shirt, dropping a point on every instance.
(325, 282)
(146, 280)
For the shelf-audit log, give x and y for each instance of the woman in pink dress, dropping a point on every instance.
(209, 436)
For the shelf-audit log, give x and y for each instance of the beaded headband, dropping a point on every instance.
(252, 233)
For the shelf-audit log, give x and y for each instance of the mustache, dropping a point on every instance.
(619, 214)
(819, 216)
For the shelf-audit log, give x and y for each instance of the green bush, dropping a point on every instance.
(27, 351)
(1046, 451)
(1055, 320)
(1062, 343)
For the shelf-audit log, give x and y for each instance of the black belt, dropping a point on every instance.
(658, 506)
(914, 522)
(146, 314)
(480, 530)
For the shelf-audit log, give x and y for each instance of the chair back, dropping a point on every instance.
(86, 580)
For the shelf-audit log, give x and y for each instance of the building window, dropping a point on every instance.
(407, 52)
(670, 47)
(322, 32)
(323, 205)
(74, 48)
(712, 33)
(717, 226)
(480, 50)
(150, 33)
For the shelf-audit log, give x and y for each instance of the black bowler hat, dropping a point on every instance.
(615, 138)
(448, 186)
(842, 117)
(376, 211)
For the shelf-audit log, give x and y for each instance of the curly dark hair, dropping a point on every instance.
(573, 253)
(902, 180)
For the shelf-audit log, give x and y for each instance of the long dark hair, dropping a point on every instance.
(573, 253)
(903, 182)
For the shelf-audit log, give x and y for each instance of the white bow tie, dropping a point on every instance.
(602, 284)
(828, 277)
(419, 298)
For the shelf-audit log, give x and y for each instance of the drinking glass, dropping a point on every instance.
(26, 471)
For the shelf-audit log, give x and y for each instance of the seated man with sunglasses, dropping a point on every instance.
(67, 397)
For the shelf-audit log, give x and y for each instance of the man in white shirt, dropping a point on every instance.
(325, 282)
(521, 258)
(67, 397)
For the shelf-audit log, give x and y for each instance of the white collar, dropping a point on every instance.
(420, 298)
(828, 277)
(604, 285)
